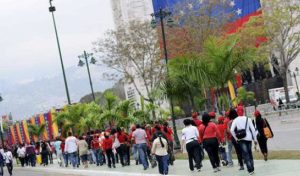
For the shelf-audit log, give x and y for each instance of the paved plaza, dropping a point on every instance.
(262, 168)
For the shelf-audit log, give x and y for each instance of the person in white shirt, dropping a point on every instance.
(160, 150)
(190, 135)
(8, 157)
(71, 149)
(244, 123)
(22, 154)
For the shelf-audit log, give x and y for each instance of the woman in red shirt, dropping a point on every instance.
(107, 148)
(210, 136)
(168, 132)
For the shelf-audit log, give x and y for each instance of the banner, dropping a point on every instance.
(12, 134)
(55, 131)
(232, 93)
(25, 132)
(41, 122)
(33, 122)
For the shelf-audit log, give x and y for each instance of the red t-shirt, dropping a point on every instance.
(222, 129)
(211, 131)
(107, 143)
(149, 133)
(168, 134)
(122, 137)
(62, 146)
(197, 121)
(95, 144)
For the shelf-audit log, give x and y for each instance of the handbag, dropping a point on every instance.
(240, 134)
(267, 130)
(116, 143)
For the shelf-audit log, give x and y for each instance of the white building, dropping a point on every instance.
(125, 11)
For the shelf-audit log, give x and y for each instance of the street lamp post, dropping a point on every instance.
(295, 74)
(86, 56)
(52, 9)
(163, 14)
(1, 128)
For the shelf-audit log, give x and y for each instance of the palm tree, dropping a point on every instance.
(36, 131)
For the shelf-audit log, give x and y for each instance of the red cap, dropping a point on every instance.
(240, 110)
(212, 115)
(221, 119)
(256, 113)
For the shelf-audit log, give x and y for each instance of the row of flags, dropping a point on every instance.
(19, 132)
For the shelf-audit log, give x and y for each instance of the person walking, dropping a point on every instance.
(222, 147)
(97, 153)
(58, 150)
(121, 150)
(168, 132)
(31, 155)
(210, 137)
(244, 132)
(134, 146)
(22, 154)
(232, 143)
(190, 135)
(8, 157)
(264, 132)
(83, 151)
(44, 152)
(140, 138)
(160, 150)
(71, 149)
(107, 145)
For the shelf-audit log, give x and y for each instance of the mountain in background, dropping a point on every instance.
(29, 97)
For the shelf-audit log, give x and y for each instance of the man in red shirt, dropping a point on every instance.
(107, 149)
(95, 145)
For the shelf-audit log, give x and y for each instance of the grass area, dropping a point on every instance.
(283, 154)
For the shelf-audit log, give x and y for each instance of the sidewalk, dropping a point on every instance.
(262, 168)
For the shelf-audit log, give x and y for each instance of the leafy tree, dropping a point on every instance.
(282, 21)
(134, 52)
(244, 97)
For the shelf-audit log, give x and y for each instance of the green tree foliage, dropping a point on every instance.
(36, 130)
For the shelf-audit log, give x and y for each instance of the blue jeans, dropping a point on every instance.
(246, 147)
(1, 169)
(66, 159)
(73, 158)
(229, 152)
(142, 150)
(98, 156)
(135, 152)
(163, 165)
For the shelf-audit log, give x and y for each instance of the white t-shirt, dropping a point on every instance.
(71, 144)
(8, 157)
(189, 134)
(240, 123)
(21, 152)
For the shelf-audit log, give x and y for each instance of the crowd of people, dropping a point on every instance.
(151, 145)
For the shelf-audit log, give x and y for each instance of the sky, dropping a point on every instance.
(28, 43)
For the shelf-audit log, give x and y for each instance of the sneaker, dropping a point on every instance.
(114, 166)
(251, 173)
(216, 170)
(198, 170)
(241, 168)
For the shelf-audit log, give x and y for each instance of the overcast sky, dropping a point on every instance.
(27, 39)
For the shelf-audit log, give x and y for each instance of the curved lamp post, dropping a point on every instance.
(88, 56)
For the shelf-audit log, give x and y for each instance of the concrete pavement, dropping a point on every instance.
(262, 168)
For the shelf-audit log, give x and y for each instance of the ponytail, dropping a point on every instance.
(162, 144)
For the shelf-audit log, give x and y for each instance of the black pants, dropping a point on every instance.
(238, 152)
(9, 168)
(193, 149)
(122, 152)
(212, 148)
(262, 142)
(127, 154)
(22, 161)
(51, 157)
(110, 157)
(44, 157)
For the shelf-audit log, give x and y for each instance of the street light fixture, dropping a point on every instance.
(52, 9)
(163, 14)
(86, 56)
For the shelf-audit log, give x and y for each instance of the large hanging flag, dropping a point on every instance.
(12, 134)
(42, 122)
(17, 134)
(25, 131)
(55, 131)
(48, 122)
(33, 122)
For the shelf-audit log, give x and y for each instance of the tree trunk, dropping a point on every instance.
(285, 86)
(176, 139)
(153, 110)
